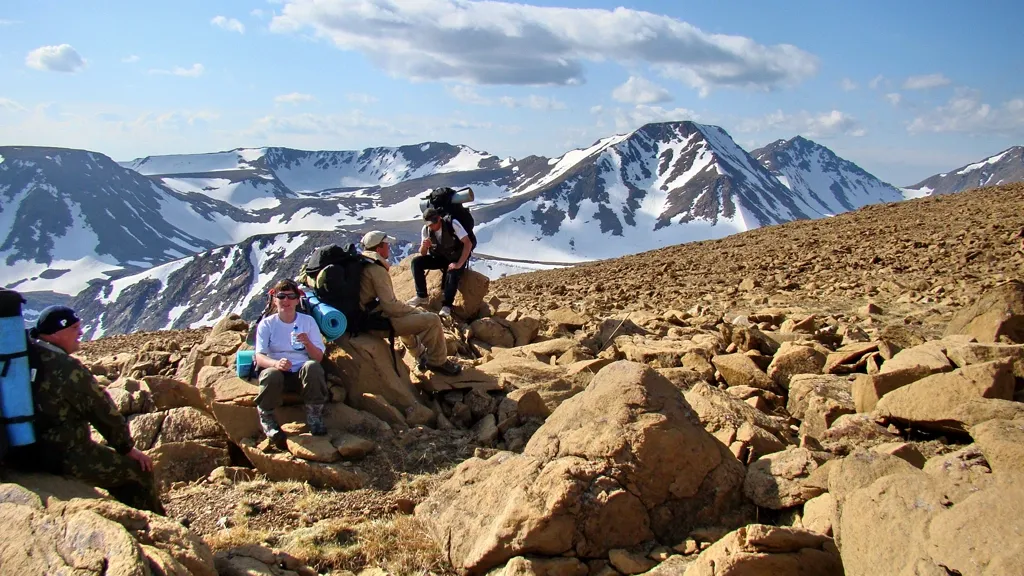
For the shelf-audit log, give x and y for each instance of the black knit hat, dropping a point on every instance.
(54, 319)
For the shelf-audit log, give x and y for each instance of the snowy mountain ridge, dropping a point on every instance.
(1002, 168)
(134, 248)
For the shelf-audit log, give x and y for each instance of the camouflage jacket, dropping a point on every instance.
(68, 399)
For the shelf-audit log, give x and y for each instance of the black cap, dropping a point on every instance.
(54, 319)
(431, 214)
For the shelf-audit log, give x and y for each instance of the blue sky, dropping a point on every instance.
(905, 89)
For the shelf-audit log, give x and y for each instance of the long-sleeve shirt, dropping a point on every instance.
(376, 283)
(68, 399)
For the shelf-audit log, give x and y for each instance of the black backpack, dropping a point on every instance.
(441, 199)
(334, 274)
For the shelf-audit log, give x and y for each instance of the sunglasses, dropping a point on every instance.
(286, 296)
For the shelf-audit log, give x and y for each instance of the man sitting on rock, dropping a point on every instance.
(289, 349)
(67, 401)
(445, 246)
(420, 331)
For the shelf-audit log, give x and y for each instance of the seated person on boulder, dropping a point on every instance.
(289, 349)
(67, 401)
(421, 332)
(445, 246)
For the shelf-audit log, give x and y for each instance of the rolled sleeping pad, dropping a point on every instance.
(15, 376)
(461, 196)
(332, 322)
(244, 363)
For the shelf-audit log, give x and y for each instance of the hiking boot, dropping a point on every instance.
(446, 312)
(418, 301)
(315, 419)
(449, 368)
(272, 430)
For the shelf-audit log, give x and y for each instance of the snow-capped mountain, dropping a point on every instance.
(660, 185)
(1002, 168)
(176, 241)
(66, 216)
(307, 172)
(822, 183)
(200, 289)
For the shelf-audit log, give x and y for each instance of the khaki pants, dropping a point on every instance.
(310, 381)
(426, 326)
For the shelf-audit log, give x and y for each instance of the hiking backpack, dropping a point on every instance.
(443, 199)
(334, 274)
(19, 373)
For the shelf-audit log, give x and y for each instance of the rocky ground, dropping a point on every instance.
(768, 403)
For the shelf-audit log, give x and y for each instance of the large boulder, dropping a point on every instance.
(759, 550)
(937, 402)
(368, 366)
(620, 463)
(61, 526)
(932, 529)
(793, 359)
(469, 300)
(818, 401)
(783, 479)
(725, 417)
(999, 313)
(286, 467)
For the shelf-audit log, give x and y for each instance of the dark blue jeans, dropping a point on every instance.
(449, 281)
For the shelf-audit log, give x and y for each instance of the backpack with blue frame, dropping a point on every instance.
(19, 372)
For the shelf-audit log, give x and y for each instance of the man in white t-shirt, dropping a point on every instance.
(289, 349)
(445, 245)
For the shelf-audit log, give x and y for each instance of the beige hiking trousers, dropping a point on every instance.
(426, 326)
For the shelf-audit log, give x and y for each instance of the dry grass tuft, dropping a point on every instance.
(327, 545)
(401, 545)
(236, 537)
(398, 545)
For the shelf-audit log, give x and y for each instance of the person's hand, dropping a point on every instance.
(144, 461)
(303, 337)
(453, 267)
(284, 365)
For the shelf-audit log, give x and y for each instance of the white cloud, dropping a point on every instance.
(257, 13)
(117, 131)
(639, 90)
(229, 24)
(509, 43)
(876, 82)
(130, 59)
(194, 72)
(894, 98)
(317, 124)
(8, 22)
(532, 102)
(925, 82)
(629, 119)
(360, 98)
(967, 113)
(469, 95)
(293, 98)
(11, 105)
(811, 125)
(848, 85)
(61, 58)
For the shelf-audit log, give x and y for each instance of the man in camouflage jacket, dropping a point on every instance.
(68, 399)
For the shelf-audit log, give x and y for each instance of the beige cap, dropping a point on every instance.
(374, 237)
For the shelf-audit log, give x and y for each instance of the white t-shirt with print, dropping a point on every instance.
(460, 232)
(274, 338)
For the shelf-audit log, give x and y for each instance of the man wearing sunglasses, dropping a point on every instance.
(289, 349)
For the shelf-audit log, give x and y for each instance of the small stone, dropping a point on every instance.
(627, 562)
